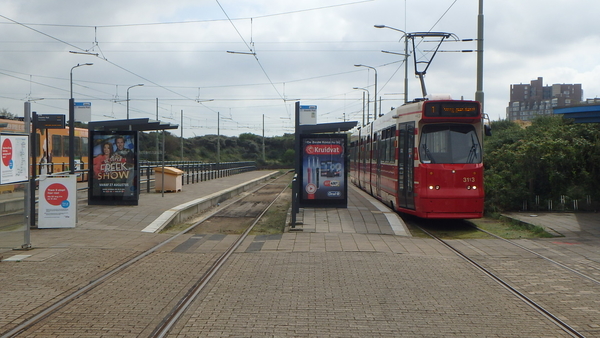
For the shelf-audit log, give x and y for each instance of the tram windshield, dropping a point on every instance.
(449, 143)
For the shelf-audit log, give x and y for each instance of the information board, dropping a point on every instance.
(57, 202)
(14, 163)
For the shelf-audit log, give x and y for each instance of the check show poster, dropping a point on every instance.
(323, 174)
(113, 162)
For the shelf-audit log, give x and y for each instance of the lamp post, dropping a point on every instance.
(375, 113)
(137, 85)
(405, 36)
(368, 99)
(72, 123)
(479, 93)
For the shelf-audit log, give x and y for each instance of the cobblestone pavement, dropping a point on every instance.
(357, 294)
(574, 299)
(353, 272)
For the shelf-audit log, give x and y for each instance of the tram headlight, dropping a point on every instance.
(471, 187)
(437, 187)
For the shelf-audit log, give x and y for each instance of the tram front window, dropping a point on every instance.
(449, 143)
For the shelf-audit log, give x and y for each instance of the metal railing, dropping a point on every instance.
(561, 203)
(193, 171)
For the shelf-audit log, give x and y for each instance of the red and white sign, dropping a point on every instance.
(56, 194)
(323, 149)
(6, 151)
(58, 207)
(14, 162)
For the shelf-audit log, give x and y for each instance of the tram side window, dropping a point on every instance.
(382, 146)
(391, 147)
(386, 144)
(37, 145)
(56, 146)
(449, 143)
(65, 146)
(77, 146)
(84, 147)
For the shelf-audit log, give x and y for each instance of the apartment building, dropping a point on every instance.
(530, 100)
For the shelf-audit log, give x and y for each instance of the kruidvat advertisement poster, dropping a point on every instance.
(114, 178)
(15, 158)
(323, 174)
(57, 202)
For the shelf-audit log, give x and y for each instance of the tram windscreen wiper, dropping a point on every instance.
(428, 153)
(473, 157)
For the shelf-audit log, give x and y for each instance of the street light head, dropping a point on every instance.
(379, 26)
(358, 65)
(88, 64)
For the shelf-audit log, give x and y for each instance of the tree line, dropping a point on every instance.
(278, 150)
(552, 159)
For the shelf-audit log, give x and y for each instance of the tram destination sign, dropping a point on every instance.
(452, 109)
(50, 121)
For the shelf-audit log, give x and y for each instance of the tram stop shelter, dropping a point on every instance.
(113, 159)
(320, 164)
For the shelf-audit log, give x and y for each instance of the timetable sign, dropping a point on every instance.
(47, 121)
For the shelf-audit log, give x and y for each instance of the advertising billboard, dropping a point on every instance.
(14, 165)
(115, 171)
(323, 174)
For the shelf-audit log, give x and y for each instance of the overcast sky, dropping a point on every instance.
(304, 51)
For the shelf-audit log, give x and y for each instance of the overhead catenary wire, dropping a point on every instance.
(178, 94)
(195, 21)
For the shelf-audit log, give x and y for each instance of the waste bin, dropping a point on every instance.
(172, 179)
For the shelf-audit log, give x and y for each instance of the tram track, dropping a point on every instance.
(568, 268)
(46, 314)
(558, 319)
(164, 327)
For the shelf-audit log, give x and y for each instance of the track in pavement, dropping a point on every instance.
(85, 309)
(558, 319)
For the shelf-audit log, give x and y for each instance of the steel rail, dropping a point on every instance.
(165, 326)
(564, 326)
(592, 279)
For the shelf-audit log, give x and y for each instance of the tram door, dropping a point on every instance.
(377, 155)
(406, 146)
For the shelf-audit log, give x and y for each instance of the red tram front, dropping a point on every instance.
(424, 159)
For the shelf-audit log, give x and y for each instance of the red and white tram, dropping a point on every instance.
(423, 158)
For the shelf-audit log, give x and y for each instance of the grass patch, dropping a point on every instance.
(273, 222)
(510, 228)
(463, 229)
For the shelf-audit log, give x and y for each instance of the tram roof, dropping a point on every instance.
(327, 127)
(143, 124)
